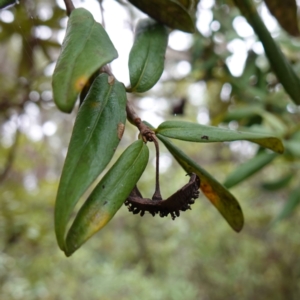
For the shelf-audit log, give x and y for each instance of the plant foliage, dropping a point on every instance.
(262, 115)
(102, 114)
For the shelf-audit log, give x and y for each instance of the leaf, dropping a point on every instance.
(168, 12)
(85, 49)
(249, 168)
(281, 66)
(147, 56)
(217, 194)
(93, 142)
(5, 3)
(192, 132)
(274, 122)
(190, 6)
(293, 147)
(278, 184)
(290, 205)
(242, 113)
(286, 14)
(108, 196)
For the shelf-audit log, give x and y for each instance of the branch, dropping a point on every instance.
(147, 134)
(132, 117)
(10, 157)
(69, 6)
(102, 12)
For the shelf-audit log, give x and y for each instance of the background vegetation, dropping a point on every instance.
(197, 256)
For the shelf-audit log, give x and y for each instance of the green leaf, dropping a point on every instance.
(169, 12)
(250, 167)
(147, 56)
(273, 121)
(290, 205)
(5, 3)
(108, 196)
(242, 113)
(277, 184)
(193, 132)
(293, 147)
(281, 66)
(96, 134)
(217, 194)
(286, 14)
(85, 49)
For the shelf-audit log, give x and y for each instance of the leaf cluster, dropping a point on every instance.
(94, 130)
(259, 106)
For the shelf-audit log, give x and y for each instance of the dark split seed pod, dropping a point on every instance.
(179, 201)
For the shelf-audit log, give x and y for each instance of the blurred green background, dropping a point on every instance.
(217, 76)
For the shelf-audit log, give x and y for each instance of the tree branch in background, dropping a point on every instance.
(10, 157)
(102, 12)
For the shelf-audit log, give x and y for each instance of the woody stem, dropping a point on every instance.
(69, 6)
(148, 136)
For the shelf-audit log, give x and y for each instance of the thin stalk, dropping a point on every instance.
(157, 194)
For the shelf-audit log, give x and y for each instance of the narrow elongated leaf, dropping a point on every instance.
(169, 12)
(281, 66)
(85, 49)
(289, 207)
(293, 147)
(193, 132)
(147, 56)
(242, 113)
(5, 3)
(249, 168)
(278, 184)
(108, 196)
(95, 136)
(286, 14)
(217, 194)
(274, 122)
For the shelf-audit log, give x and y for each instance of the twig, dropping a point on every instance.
(10, 157)
(133, 118)
(148, 136)
(106, 69)
(131, 114)
(69, 6)
(102, 12)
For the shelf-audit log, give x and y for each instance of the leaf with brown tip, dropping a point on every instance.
(217, 194)
(86, 48)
